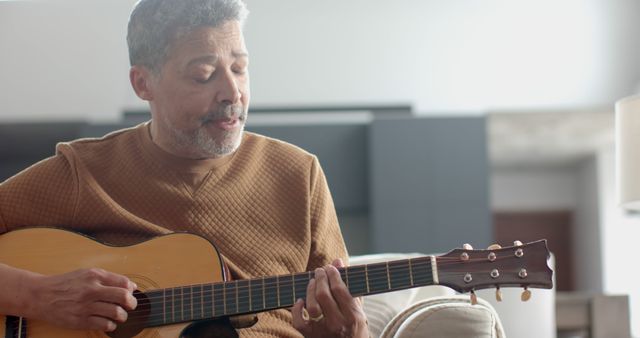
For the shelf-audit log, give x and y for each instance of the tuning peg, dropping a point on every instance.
(494, 247)
(467, 246)
(517, 243)
(474, 298)
(526, 295)
(498, 294)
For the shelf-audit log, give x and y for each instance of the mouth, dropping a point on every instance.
(225, 124)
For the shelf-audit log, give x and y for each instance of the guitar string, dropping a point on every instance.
(275, 281)
(244, 303)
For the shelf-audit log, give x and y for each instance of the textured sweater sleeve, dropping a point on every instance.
(327, 243)
(41, 195)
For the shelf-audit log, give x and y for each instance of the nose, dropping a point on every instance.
(228, 90)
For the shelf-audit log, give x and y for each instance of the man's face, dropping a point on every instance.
(200, 98)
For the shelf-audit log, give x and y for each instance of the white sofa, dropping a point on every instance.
(438, 312)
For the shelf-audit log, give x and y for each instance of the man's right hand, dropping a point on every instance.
(88, 299)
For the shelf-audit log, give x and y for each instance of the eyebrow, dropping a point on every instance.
(213, 58)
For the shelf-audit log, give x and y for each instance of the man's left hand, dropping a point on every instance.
(331, 310)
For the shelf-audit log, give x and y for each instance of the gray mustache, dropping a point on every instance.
(226, 112)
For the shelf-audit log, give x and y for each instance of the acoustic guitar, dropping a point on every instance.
(182, 280)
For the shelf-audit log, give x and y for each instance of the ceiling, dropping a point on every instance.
(551, 138)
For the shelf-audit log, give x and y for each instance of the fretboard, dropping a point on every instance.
(208, 301)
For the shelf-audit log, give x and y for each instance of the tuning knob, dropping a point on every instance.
(526, 295)
(517, 243)
(467, 246)
(494, 247)
(498, 294)
(474, 298)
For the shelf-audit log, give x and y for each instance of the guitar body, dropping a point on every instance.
(166, 261)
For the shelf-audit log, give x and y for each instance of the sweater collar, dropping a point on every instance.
(180, 164)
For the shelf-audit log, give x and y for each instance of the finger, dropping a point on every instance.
(312, 305)
(116, 280)
(338, 263)
(298, 322)
(109, 311)
(101, 323)
(347, 304)
(325, 298)
(118, 296)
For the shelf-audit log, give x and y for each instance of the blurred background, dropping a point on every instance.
(436, 122)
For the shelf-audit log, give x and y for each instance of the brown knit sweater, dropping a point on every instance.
(267, 207)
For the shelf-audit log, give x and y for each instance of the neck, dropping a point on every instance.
(206, 301)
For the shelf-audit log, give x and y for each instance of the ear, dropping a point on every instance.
(142, 82)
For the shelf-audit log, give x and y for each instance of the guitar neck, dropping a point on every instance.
(207, 301)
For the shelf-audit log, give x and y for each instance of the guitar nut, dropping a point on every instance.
(492, 256)
(495, 273)
(519, 253)
(464, 256)
(468, 278)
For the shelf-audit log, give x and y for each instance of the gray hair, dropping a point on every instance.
(154, 24)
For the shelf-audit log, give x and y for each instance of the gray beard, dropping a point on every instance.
(199, 144)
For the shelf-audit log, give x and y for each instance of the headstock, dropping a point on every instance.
(521, 265)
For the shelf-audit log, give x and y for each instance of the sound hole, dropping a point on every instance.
(219, 328)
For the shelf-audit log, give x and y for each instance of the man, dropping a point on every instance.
(264, 203)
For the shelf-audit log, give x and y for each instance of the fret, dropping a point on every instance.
(285, 290)
(422, 271)
(345, 276)
(164, 306)
(357, 280)
(257, 294)
(218, 300)
(230, 298)
(410, 272)
(177, 305)
(366, 276)
(244, 296)
(434, 269)
(388, 277)
(378, 277)
(271, 292)
(169, 305)
(293, 287)
(301, 281)
(399, 274)
(196, 302)
(187, 310)
(278, 289)
(264, 295)
(207, 301)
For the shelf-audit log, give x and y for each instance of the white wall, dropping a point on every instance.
(533, 189)
(620, 234)
(67, 59)
(63, 60)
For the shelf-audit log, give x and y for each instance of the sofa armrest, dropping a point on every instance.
(446, 317)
